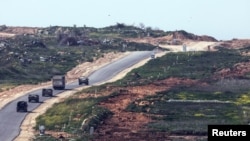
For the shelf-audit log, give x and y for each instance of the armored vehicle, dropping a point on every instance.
(153, 56)
(33, 98)
(47, 92)
(22, 106)
(84, 80)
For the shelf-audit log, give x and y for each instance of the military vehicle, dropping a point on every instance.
(58, 82)
(47, 92)
(153, 56)
(22, 106)
(33, 98)
(84, 80)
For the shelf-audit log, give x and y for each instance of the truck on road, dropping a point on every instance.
(22, 106)
(83, 79)
(33, 98)
(47, 92)
(58, 82)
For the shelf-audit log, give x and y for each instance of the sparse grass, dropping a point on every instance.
(190, 117)
(5, 87)
(197, 107)
(244, 99)
(72, 112)
(198, 65)
(101, 35)
(225, 99)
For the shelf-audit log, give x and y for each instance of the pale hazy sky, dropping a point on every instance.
(222, 19)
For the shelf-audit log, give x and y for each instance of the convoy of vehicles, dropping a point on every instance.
(58, 82)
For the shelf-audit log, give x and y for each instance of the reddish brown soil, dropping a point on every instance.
(125, 125)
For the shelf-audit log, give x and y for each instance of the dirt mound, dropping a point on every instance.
(6, 35)
(183, 35)
(236, 43)
(173, 38)
(19, 30)
(239, 70)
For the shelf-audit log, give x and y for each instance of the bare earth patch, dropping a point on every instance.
(192, 46)
(125, 125)
(3, 34)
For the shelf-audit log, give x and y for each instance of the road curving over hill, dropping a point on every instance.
(12, 120)
(26, 129)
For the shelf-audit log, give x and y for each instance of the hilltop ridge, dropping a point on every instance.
(168, 35)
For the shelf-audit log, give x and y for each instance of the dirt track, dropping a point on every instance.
(27, 131)
(191, 46)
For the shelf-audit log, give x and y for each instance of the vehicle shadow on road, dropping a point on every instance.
(68, 89)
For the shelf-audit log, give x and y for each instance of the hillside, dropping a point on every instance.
(139, 109)
(25, 50)
(174, 38)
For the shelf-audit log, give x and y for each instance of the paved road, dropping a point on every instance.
(10, 120)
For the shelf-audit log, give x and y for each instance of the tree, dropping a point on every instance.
(142, 26)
